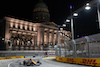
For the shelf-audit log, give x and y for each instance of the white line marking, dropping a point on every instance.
(9, 64)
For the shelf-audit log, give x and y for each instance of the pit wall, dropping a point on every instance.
(82, 61)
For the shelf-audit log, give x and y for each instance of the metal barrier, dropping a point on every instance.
(86, 47)
(27, 53)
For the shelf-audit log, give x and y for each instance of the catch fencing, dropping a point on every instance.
(86, 47)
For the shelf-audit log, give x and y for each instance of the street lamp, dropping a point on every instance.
(75, 14)
(88, 8)
(3, 38)
(67, 20)
(64, 25)
(61, 28)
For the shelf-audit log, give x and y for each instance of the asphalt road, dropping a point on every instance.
(47, 63)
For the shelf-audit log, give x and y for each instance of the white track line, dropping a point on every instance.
(9, 64)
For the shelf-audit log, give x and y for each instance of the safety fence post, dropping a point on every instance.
(88, 41)
(74, 50)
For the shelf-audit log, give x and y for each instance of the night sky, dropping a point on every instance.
(84, 24)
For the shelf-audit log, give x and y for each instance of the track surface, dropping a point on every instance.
(47, 63)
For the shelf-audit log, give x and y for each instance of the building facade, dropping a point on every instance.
(36, 35)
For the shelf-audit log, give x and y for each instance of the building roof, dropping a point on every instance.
(50, 24)
(41, 4)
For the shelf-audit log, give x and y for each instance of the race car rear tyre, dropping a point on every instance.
(23, 63)
(19, 63)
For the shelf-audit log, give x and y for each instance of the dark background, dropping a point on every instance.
(85, 24)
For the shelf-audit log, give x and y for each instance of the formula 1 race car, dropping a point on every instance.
(31, 62)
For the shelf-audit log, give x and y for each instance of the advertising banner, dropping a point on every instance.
(83, 61)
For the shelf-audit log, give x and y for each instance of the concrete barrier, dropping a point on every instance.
(11, 57)
(82, 61)
(49, 58)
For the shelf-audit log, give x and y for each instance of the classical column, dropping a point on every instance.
(42, 37)
(52, 37)
(38, 35)
(35, 41)
(55, 38)
(7, 34)
(26, 41)
(57, 34)
(47, 37)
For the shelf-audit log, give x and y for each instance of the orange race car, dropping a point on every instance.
(31, 62)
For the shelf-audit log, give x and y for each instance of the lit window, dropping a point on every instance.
(43, 17)
(18, 26)
(32, 29)
(23, 27)
(27, 27)
(36, 17)
(13, 25)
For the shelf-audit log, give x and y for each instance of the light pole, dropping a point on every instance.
(72, 23)
(98, 13)
(72, 30)
(87, 6)
(59, 33)
(59, 44)
(59, 36)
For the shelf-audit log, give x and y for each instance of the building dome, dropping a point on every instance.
(41, 4)
(41, 12)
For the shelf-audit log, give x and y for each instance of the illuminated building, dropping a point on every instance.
(25, 35)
